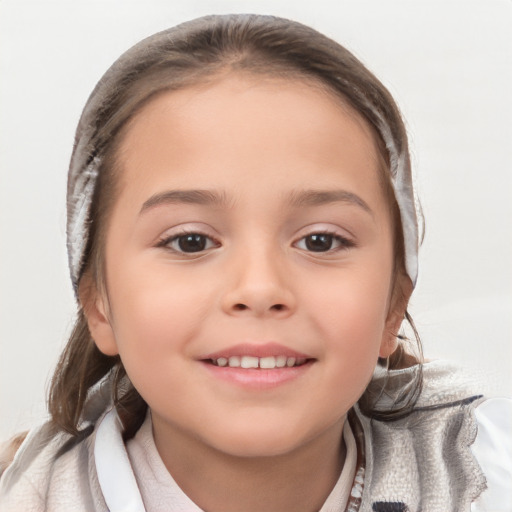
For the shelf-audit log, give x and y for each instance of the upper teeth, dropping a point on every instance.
(258, 362)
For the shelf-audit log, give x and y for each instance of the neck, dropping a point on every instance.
(300, 480)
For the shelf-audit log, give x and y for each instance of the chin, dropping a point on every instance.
(261, 440)
(257, 448)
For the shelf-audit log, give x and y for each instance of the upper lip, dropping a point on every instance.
(270, 349)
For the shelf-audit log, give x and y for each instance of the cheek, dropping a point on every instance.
(350, 314)
(353, 334)
(155, 329)
(353, 301)
(154, 319)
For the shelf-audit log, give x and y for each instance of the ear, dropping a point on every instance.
(95, 307)
(398, 305)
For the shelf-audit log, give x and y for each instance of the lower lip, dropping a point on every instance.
(258, 378)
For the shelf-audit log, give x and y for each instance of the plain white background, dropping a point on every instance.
(449, 65)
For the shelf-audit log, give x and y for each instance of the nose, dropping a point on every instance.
(258, 285)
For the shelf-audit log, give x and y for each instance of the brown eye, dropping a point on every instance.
(319, 242)
(324, 242)
(188, 243)
(192, 243)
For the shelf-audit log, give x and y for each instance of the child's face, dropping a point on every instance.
(250, 222)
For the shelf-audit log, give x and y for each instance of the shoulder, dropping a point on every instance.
(51, 471)
(493, 451)
(429, 450)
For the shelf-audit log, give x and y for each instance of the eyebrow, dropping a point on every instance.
(202, 197)
(297, 199)
(304, 198)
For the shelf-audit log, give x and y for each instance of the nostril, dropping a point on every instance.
(244, 307)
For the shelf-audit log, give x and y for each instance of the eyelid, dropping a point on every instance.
(324, 228)
(188, 228)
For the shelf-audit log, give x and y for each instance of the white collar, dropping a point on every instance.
(115, 474)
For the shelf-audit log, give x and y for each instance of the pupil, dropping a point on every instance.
(319, 243)
(192, 243)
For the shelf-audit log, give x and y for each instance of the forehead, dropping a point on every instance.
(237, 126)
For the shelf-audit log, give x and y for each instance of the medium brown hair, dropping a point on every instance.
(192, 53)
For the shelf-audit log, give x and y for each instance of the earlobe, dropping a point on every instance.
(95, 310)
(395, 317)
(389, 341)
(401, 294)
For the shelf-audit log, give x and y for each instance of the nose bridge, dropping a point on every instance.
(259, 282)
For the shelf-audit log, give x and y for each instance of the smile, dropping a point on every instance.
(257, 367)
(267, 363)
(265, 356)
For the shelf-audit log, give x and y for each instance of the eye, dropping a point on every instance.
(323, 242)
(188, 243)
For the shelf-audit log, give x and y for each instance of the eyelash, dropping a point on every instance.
(344, 243)
(167, 241)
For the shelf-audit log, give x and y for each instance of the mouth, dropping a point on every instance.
(265, 363)
(257, 366)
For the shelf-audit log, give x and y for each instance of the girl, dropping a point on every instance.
(242, 240)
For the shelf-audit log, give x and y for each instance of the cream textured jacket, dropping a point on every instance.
(453, 453)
